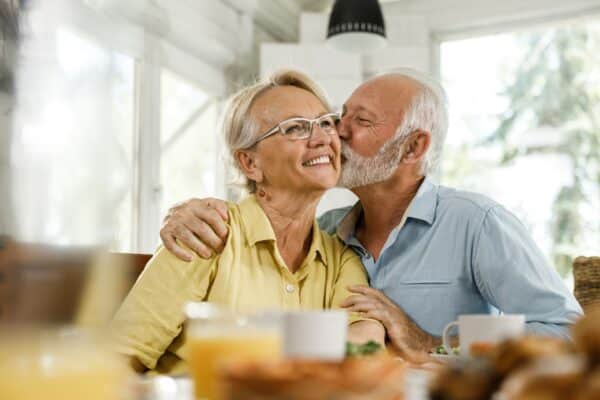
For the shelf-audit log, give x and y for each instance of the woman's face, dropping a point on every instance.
(304, 165)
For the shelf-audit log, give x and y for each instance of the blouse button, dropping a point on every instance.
(289, 288)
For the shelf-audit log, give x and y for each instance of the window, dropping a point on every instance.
(525, 130)
(100, 79)
(189, 165)
(106, 138)
(104, 176)
(74, 142)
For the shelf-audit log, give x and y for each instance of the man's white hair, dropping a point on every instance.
(428, 112)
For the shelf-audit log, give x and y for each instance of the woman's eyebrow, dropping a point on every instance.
(303, 117)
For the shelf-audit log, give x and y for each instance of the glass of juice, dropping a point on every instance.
(217, 336)
(59, 364)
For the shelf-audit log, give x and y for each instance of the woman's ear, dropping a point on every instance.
(416, 147)
(249, 165)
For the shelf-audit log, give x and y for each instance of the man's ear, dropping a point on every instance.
(416, 146)
(249, 165)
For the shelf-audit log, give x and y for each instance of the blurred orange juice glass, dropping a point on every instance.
(217, 336)
(59, 365)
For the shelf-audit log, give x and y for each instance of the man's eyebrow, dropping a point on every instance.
(361, 108)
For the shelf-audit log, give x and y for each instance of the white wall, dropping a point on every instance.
(460, 17)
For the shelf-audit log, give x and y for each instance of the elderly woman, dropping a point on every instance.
(282, 136)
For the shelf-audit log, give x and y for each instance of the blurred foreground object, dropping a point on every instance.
(59, 364)
(47, 295)
(58, 285)
(530, 368)
(380, 378)
(586, 271)
(9, 38)
(218, 335)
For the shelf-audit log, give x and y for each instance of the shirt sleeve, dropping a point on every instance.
(152, 314)
(351, 272)
(513, 275)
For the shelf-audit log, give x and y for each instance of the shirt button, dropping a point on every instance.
(289, 288)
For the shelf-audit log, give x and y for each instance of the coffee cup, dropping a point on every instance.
(483, 329)
(315, 334)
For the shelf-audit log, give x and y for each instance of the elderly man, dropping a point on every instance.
(431, 252)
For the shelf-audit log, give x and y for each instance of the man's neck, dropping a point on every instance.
(383, 207)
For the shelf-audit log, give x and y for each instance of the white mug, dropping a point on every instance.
(315, 334)
(475, 328)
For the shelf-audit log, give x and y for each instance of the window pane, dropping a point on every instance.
(524, 130)
(189, 142)
(75, 142)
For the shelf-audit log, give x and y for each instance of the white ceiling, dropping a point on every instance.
(323, 5)
(445, 17)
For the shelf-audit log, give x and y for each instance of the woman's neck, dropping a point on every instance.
(291, 216)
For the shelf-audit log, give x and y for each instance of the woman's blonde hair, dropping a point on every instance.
(239, 127)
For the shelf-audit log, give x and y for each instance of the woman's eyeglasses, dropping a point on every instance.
(302, 128)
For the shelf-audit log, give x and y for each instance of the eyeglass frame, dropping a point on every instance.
(277, 128)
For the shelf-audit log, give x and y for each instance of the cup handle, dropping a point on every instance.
(446, 336)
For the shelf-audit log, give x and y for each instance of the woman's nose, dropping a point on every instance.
(319, 136)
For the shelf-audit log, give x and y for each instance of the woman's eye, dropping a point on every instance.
(364, 121)
(293, 129)
(326, 124)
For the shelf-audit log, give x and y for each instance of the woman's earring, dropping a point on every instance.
(261, 193)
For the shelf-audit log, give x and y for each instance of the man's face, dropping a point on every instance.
(371, 152)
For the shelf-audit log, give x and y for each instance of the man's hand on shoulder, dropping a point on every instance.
(406, 338)
(198, 223)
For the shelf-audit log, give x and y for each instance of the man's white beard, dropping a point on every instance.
(361, 171)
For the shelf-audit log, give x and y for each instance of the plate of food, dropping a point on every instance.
(441, 355)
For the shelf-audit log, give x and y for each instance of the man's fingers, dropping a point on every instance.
(350, 300)
(220, 206)
(371, 292)
(377, 315)
(174, 248)
(213, 219)
(188, 238)
(204, 234)
(357, 288)
(363, 306)
(202, 217)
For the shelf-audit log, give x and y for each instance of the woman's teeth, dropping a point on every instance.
(316, 161)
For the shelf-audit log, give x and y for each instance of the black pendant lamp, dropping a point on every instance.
(356, 26)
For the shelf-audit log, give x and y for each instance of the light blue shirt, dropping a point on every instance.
(462, 253)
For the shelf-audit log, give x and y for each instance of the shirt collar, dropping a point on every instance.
(422, 207)
(257, 227)
(424, 204)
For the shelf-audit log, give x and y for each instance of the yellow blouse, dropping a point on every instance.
(249, 275)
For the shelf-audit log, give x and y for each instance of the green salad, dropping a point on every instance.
(441, 350)
(357, 350)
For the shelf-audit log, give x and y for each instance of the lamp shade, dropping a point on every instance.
(356, 26)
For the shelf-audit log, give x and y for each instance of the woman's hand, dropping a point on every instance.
(200, 224)
(406, 338)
